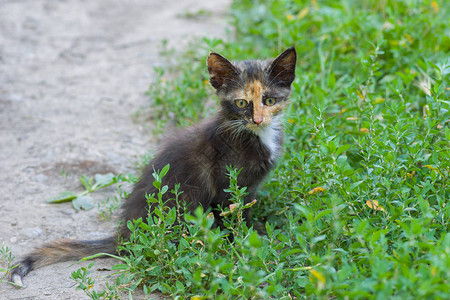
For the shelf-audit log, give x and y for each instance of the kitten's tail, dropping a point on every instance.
(59, 251)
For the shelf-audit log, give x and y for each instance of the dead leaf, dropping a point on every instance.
(316, 190)
(373, 204)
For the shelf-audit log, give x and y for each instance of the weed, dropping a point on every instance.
(6, 264)
(84, 201)
(107, 207)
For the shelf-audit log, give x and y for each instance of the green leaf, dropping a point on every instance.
(164, 189)
(332, 80)
(164, 171)
(197, 275)
(331, 146)
(105, 180)
(65, 196)
(342, 149)
(255, 240)
(387, 78)
(120, 267)
(83, 202)
(318, 238)
(355, 185)
(86, 182)
(354, 158)
(157, 184)
(180, 286)
(323, 213)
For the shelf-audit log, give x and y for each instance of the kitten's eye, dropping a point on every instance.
(270, 101)
(241, 103)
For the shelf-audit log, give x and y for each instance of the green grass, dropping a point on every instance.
(6, 264)
(357, 206)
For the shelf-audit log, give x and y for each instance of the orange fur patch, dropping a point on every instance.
(254, 92)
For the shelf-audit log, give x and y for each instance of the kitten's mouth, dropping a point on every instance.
(256, 127)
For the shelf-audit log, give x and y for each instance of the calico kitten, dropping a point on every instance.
(246, 133)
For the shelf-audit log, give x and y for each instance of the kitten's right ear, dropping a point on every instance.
(220, 70)
(282, 69)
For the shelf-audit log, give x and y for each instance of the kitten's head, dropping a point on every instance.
(253, 92)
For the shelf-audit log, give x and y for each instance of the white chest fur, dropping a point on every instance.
(270, 137)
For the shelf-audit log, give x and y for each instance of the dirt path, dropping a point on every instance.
(72, 74)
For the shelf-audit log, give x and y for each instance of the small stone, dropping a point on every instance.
(40, 178)
(13, 240)
(68, 212)
(32, 232)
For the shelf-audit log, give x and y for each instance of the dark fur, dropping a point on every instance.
(198, 156)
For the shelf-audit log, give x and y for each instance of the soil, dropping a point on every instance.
(73, 73)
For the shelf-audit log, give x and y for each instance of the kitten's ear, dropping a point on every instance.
(282, 69)
(220, 70)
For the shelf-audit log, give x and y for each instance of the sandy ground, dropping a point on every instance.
(72, 75)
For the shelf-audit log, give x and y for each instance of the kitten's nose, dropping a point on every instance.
(257, 120)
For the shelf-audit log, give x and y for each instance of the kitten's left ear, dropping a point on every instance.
(220, 70)
(282, 69)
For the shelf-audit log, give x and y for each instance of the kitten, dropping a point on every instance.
(246, 133)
